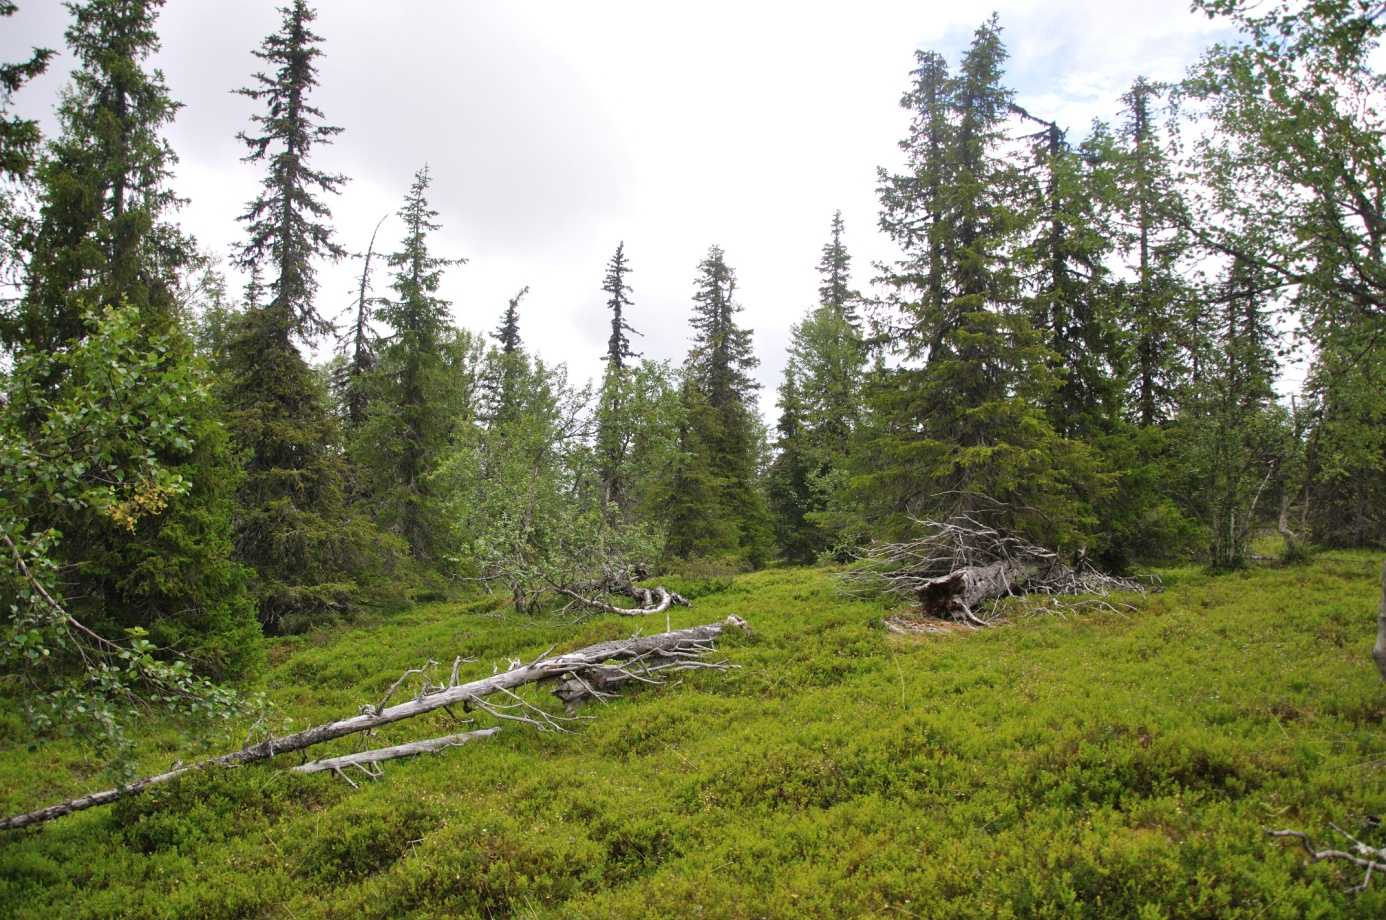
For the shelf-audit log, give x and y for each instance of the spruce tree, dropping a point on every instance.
(286, 223)
(410, 421)
(965, 432)
(820, 409)
(351, 381)
(1063, 260)
(836, 271)
(1229, 437)
(103, 243)
(721, 436)
(615, 428)
(507, 368)
(104, 184)
(311, 553)
(1153, 240)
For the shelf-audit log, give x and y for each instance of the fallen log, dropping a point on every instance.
(366, 759)
(680, 647)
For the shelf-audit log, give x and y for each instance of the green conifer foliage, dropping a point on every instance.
(965, 433)
(315, 557)
(1230, 437)
(1152, 220)
(286, 224)
(103, 183)
(410, 419)
(716, 508)
(1063, 260)
(820, 410)
(616, 427)
(103, 242)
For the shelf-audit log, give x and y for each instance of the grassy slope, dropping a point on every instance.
(1095, 766)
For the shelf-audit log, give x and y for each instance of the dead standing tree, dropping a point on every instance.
(594, 672)
(960, 564)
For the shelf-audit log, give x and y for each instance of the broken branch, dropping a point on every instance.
(380, 755)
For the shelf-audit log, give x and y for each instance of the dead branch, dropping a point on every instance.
(651, 600)
(959, 564)
(366, 759)
(681, 645)
(1364, 856)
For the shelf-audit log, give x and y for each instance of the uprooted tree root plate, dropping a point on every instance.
(959, 566)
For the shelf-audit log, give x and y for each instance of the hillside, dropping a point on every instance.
(1093, 765)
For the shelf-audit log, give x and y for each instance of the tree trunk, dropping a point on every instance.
(1379, 653)
(955, 595)
(1283, 526)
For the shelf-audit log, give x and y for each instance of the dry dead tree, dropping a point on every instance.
(960, 564)
(598, 667)
(1364, 856)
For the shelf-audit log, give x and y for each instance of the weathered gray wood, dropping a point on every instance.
(954, 596)
(380, 755)
(1379, 653)
(695, 640)
(651, 600)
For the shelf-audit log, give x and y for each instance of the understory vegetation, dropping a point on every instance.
(1081, 766)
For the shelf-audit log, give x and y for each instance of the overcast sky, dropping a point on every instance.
(554, 130)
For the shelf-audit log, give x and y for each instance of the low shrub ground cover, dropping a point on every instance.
(1096, 765)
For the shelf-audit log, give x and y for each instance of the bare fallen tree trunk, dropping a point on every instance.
(681, 647)
(364, 760)
(1379, 653)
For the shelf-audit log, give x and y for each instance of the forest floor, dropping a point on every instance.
(1099, 764)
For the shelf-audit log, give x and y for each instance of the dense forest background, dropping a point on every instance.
(1079, 345)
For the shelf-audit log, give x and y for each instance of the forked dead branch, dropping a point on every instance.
(1363, 855)
(595, 672)
(960, 565)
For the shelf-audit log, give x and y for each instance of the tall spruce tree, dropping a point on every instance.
(820, 409)
(507, 368)
(1063, 261)
(717, 508)
(410, 419)
(836, 270)
(351, 380)
(1152, 217)
(294, 527)
(104, 184)
(103, 243)
(615, 428)
(1230, 435)
(965, 432)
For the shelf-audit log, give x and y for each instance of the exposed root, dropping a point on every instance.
(960, 566)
